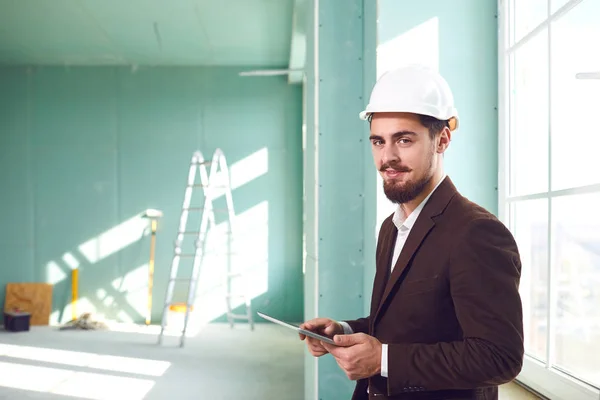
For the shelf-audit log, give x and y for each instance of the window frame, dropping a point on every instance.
(543, 377)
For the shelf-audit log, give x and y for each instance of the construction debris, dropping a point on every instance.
(85, 322)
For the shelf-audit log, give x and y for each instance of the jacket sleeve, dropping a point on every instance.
(484, 275)
(360, 325)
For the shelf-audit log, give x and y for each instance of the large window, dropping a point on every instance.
(549, 192)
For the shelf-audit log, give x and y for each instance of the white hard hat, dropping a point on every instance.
(413, 89)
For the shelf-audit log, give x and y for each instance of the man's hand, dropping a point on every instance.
(359, 354)
(323, 326)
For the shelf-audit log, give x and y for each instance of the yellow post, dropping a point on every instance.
(74, 283)
(151, 271)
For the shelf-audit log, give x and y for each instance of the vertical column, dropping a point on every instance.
(335, 171)
(371, 174)
(310, 217)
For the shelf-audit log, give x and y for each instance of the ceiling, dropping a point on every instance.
(258, 33)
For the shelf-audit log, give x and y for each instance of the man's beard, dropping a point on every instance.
(409, 190)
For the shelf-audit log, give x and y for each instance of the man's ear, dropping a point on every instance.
(444, 140)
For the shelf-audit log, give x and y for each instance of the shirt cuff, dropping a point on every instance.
(347, 329)
(384, 360)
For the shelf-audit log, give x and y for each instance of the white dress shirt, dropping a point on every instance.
(404, 226)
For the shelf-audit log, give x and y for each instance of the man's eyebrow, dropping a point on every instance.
(394, 136)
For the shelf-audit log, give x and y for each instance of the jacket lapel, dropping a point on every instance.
(423, 225)
(385, 251)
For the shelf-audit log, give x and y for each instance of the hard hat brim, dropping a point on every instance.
(452, 121)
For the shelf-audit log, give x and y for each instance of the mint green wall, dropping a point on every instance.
(84, 149)
(467, 57)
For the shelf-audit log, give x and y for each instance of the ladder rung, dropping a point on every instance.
(208, 253)
(205, 208)
(238, 316)
(181, 279)
(178, 244)
(234, 274)
(170, 303)
(201, 162)
(209, 186)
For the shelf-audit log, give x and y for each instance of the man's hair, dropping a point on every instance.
(433, 125)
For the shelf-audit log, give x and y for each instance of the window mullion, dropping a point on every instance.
(552, 278)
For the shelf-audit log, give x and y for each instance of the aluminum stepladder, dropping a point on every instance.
(198, 163)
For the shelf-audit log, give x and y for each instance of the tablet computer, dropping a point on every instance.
(297, 328)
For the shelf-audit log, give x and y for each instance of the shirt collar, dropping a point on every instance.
(403, 223)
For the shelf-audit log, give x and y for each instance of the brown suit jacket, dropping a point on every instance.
(450, 312)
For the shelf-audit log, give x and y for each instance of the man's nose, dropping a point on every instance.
(389, 154)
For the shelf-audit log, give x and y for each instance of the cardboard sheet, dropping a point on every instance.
(35, 298)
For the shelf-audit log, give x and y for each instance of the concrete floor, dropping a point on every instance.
(217, 363)
(515, 392)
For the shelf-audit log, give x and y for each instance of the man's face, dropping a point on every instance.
(404, 154)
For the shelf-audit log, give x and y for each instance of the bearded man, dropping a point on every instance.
(446, 316)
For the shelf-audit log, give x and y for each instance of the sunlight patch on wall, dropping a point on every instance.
(54, 318)
(249, 168)
(134, 287)
(419, 45)
(252, 243)
(251, 257)
(101, 293)
(106, 299)
(70, 260)
(54, 273)
(94, 250)
(124, 317)
(243, 171)
(134, 280)
(115, 239)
